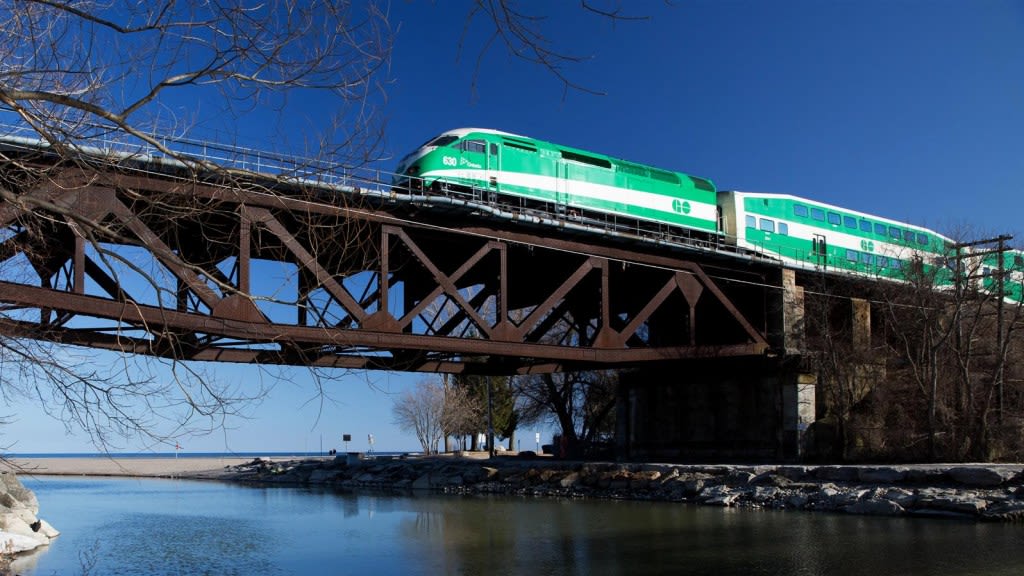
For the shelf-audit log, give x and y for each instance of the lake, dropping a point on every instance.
(161, 527)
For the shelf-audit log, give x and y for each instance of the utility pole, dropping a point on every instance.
(1001, 294)
(490, 419)
(999, 275)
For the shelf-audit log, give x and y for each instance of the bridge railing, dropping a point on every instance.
(191, 152)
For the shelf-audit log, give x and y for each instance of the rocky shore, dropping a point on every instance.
(20, 529)
(975, 492)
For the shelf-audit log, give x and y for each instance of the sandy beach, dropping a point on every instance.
(181, 467)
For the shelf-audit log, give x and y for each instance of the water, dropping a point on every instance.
(162, 527)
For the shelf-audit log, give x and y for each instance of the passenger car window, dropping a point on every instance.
(818, 214)
(767, 225)
(800, 210)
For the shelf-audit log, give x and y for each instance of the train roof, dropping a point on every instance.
(461, 132)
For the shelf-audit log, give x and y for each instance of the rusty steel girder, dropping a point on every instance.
(242, 270)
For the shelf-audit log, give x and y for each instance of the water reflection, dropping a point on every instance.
(167, 527)
(511, 536)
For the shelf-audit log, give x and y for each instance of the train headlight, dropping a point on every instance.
(413, 170)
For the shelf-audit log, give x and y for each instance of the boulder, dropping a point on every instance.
(844, 498)
(961, 504)
(836, 473)
(977, 476)
(719, 495)
(12, 543)
(794, 473)
(1005, 511)
(797, 500)
(11, 486)
(882, 475)
(20, 529)
(772, 479)
(692, 486)
(904, 498)
(739, 478)
(644, 479)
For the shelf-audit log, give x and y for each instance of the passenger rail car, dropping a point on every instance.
(804, 233)
(567, 180)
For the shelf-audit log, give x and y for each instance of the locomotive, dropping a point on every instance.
(798, 232)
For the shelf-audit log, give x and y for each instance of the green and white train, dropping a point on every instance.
(564, 179)
(798, 232)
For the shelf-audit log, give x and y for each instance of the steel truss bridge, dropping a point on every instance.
(236, 259)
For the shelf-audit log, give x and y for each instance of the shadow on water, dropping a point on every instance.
(588, 537)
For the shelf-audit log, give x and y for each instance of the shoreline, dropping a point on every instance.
(965, 491)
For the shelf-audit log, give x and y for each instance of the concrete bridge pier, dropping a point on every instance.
(752, 408)
(723, 410)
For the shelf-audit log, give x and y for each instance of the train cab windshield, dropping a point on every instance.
(425, 148)
(442, 140)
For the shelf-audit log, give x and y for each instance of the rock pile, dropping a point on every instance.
(20, 529)
(976, 492)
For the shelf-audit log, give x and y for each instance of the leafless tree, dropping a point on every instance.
(844, 366)
(76, 72)
(987, 322)
(463, 413)
(420, 411)
(520, 28)
(431, 412)
(143, 79)
(953, 337)
(580, 403)
(87, 76)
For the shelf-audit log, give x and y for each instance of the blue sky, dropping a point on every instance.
(912, 110)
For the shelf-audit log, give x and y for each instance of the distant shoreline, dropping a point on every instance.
(210, 467)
